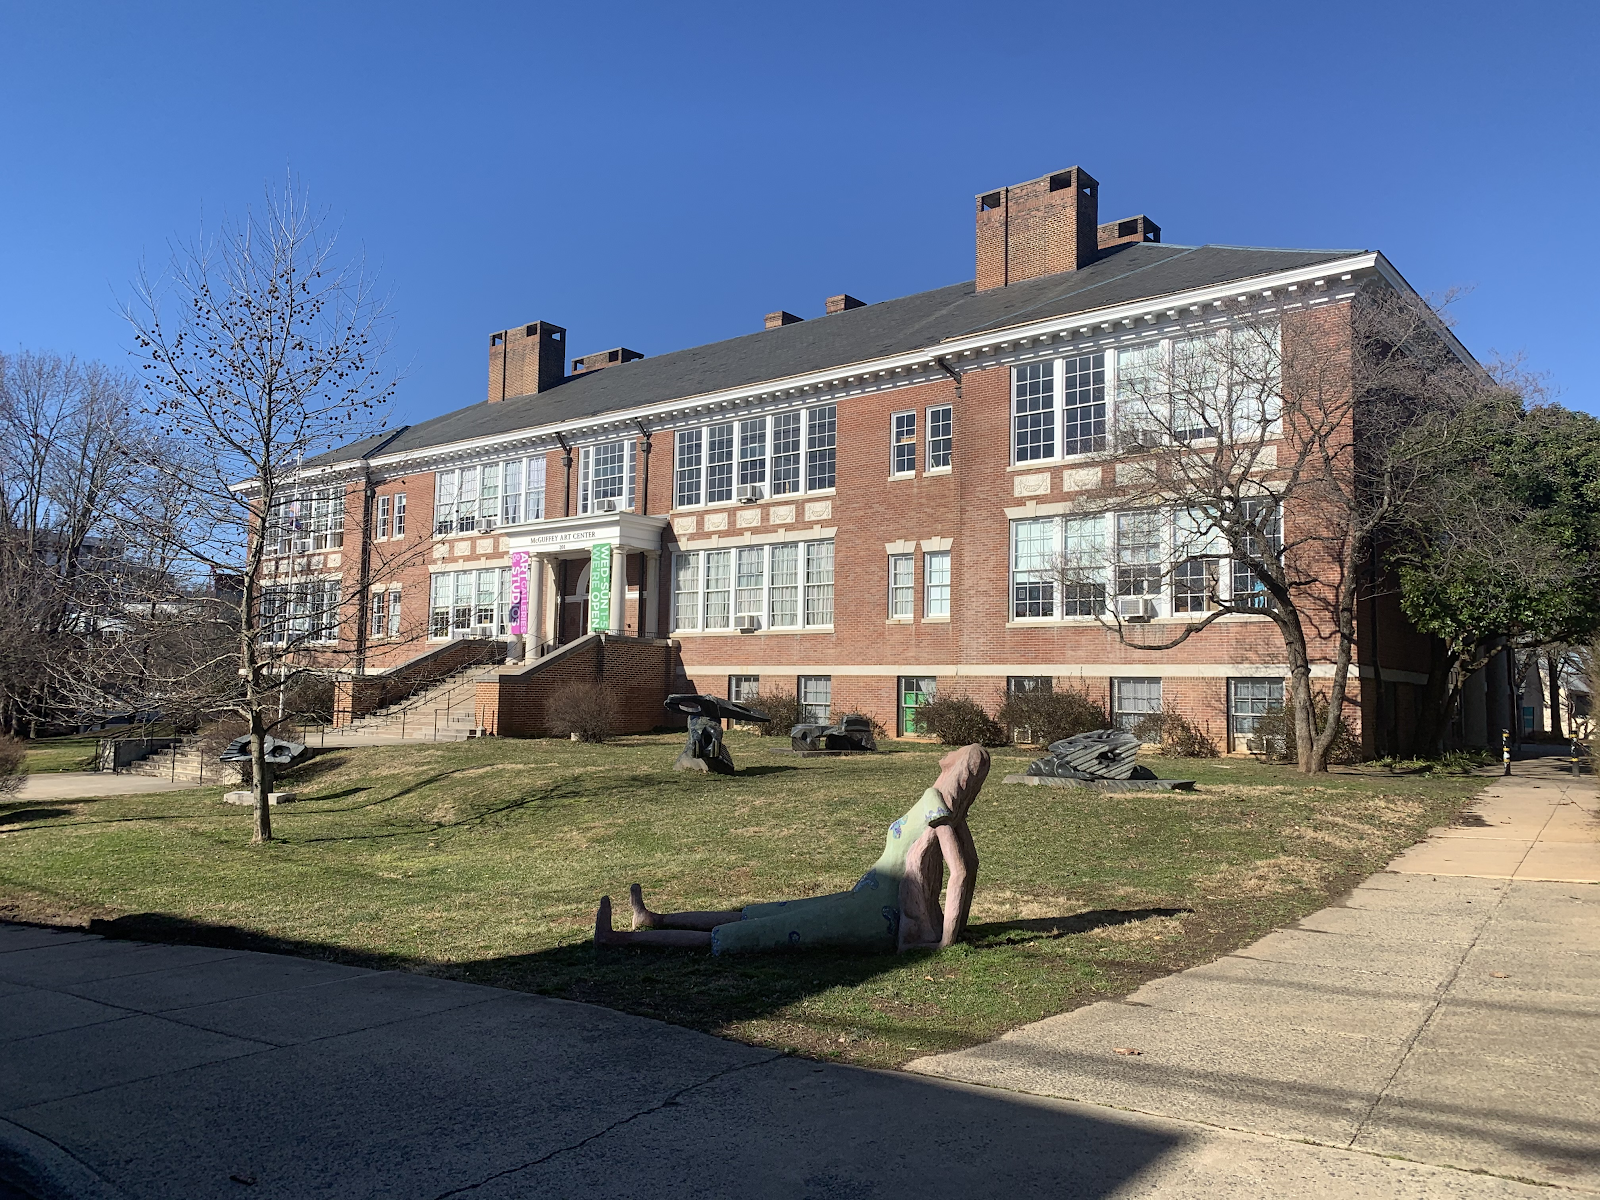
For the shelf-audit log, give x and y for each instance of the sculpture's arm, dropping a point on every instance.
(961, 856)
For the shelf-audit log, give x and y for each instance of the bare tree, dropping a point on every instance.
(68, 447)
(262, 346)
(1260, 458)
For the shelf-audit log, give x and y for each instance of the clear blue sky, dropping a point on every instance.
(659, 176)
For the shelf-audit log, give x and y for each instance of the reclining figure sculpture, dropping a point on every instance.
(894, 906)
(276, 751)
(706, 750)
(852, 733)
(1104, 754)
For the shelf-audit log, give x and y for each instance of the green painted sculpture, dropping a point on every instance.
(894, 906)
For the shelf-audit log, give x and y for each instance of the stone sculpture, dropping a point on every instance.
(706, 750)
(894, 906)
(1104, 754)
(277, 752)
(853, 734)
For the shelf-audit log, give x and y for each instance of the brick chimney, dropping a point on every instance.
(781, 318)
(1042, 227)
(604, 358)
(1129, 229)
(841, 302)
(526, 360)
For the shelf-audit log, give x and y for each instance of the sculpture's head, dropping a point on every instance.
(961, 775)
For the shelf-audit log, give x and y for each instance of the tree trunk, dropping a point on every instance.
(1553, 664)
(1433, 709)
(261, 777)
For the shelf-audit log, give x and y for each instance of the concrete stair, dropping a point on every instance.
(184, 764)
(445, 712)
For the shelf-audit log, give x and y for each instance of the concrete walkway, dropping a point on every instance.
(81, 785)
(1448, 1011)
(134, 1070)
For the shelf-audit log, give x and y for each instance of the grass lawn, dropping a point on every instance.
(71, 753)
(483, 861)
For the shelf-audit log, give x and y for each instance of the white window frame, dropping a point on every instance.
(754, 458)
(462, 597)
(478, 487)
(815, 694)
(1125, 718)
(936, 584)
(623, 449)
(399, 515)
(902, 587)
(903, 444)
(384, 506)
(703, 602)
(933, 451)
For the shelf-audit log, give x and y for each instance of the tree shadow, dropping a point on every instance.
(1039, 929)
(765, 769)
(18, 816)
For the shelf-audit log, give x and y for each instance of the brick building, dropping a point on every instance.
(853, 505)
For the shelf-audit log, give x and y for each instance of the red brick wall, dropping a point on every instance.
(637, 672)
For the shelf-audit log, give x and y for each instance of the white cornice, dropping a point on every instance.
(1328, 281)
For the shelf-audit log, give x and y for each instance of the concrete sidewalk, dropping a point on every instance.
(1448, 1011)
(142, 1071)
(81, 785)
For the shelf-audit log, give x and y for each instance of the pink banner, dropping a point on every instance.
(517, 618)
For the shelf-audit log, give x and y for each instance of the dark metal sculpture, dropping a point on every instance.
(1088, 757)
(706, 750)
(278, 753)
(853, 733)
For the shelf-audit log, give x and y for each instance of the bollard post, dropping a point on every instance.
(1505, 749)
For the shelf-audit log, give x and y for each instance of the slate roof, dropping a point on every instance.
(1137, 271)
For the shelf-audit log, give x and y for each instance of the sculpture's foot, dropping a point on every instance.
(688, 762)
(643, 918)
(604, 935)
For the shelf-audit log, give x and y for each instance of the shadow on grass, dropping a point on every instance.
(32, 814)
(1038, 929)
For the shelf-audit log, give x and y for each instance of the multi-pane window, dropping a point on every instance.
(819, 583)
(1199, 385)
(687, 476)
(742, 689)
(940, 439)
(936, 583)
(385, 617)
(1140, 552)
(469, 601)
(815, 693)
(822, 433)
(686, 591)
(1262, 540)
(1015, 684)
(719, 589)
(1033, 399)
(915, 691)
(719, 463)
(1188, 388)
(1033, 546)
(478, 499)
(1194, 585)
(1141, 394)
(1248, 701)
(766, 454)
(787, 434)
(299, 613)
(1083, 556)
(400, 512)
(300, 522)
(1132, 700)
(1083, 404)
(901, 585)
(750, 572)
(605, 477)
(784, 586)
(753, 453)
(903, 444)
(384, 518)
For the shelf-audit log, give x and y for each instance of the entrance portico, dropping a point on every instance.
(600, 544)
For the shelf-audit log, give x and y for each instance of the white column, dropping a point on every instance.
(619, 587)
(650, 595)
(535, 637)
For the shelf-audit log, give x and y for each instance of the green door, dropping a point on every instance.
(915, 691)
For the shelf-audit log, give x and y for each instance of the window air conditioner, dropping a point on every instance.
(750, 493)
(609, 505)
(747, 624)
(1135, 608)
